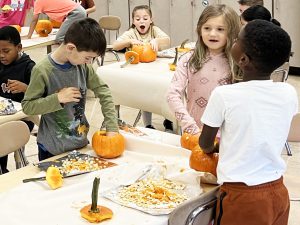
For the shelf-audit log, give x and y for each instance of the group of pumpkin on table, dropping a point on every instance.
(144, 53)
(113, 146)
(43, 27)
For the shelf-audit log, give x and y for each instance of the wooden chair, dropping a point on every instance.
(110, 23)
(294, 134)
(13, 136)
(198, 211)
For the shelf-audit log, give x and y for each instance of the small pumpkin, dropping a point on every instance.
(43, 28)
(146, 53)
(131, 57)
(54, 177)
(189, 141)
(201, 161)
(182, 47)
(55, 24)
(108, 146)
(95, 213)
(18, 27)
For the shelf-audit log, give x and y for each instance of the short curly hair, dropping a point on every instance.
(251, 2)
(266, 44)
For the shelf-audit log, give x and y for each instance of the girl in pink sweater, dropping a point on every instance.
(207, 67)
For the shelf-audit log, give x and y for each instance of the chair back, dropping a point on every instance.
(197, 211)
(281, 73)
(13, 135)
(294, 134)
(110, 23)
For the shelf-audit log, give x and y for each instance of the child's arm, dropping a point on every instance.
(16, 86)
(32, 25)
(119, 45)
(175, 97)
(34, 102)
(161, 40)
(207, 139)
(102, 92)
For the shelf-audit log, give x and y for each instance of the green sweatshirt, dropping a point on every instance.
(64, 127)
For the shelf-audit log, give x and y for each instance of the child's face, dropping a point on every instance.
(242, 8)
(214, 34)
(142, 21)
(79, 58)
(9, 52)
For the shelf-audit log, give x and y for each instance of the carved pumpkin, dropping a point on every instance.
(95, 213)
(131, 57)
(55, 24)
(189, 141)
(43, 28)
(203, 162)
(18, 27)
(108, 146)
(54, 177)
(145, 52)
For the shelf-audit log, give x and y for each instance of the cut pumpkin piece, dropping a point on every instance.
(131, 57)
(172, 66)
(182, 47)
(54, 177)
(95, 213)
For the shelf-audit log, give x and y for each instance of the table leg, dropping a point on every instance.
(49, 49)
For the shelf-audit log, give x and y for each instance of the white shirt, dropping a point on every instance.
(255, 118)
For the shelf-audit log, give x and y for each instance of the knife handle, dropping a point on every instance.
(34, 179)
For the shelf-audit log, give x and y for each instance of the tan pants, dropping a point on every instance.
(265, 204)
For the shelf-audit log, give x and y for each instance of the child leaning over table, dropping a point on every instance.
(66, 11)
(58, 88)
(15, 72)
(208, 66)
(143, 31)
(254, 117)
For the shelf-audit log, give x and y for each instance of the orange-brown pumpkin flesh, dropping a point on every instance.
(103, 214)
(131, 57)
(189, 141)
(43, 28)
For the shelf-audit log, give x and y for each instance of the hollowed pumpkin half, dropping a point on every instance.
(43, 28)
(54, 177)
(203, 162)
(145, 52)
(132, 57)
(108, 146)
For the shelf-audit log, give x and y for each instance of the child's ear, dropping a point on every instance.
(244, 60)
(71, 47)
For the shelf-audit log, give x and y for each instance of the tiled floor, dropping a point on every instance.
(128, 114)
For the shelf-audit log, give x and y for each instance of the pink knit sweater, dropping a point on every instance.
(196, 87)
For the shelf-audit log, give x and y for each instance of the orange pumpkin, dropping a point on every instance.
(189, 141)
(145, 52)
(43, 28)
(55, 24)
(203, 162)
(108, 146)
(18, 27)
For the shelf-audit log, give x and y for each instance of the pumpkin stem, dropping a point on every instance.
(183, 43)
(176, 56)
(95, 190)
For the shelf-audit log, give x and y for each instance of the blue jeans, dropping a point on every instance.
(43, 152)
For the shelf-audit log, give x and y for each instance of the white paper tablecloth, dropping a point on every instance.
(34, 203)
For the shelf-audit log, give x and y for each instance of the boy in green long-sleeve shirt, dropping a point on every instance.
(58, 88)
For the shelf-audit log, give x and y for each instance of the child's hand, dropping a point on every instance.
(111, 133)
(70, 94)
(16, 86)
(135, 42)
(154, 45)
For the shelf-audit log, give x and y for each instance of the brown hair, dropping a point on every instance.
(251, 2)
(233, 27)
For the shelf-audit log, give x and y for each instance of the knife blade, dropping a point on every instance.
(44, 178)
